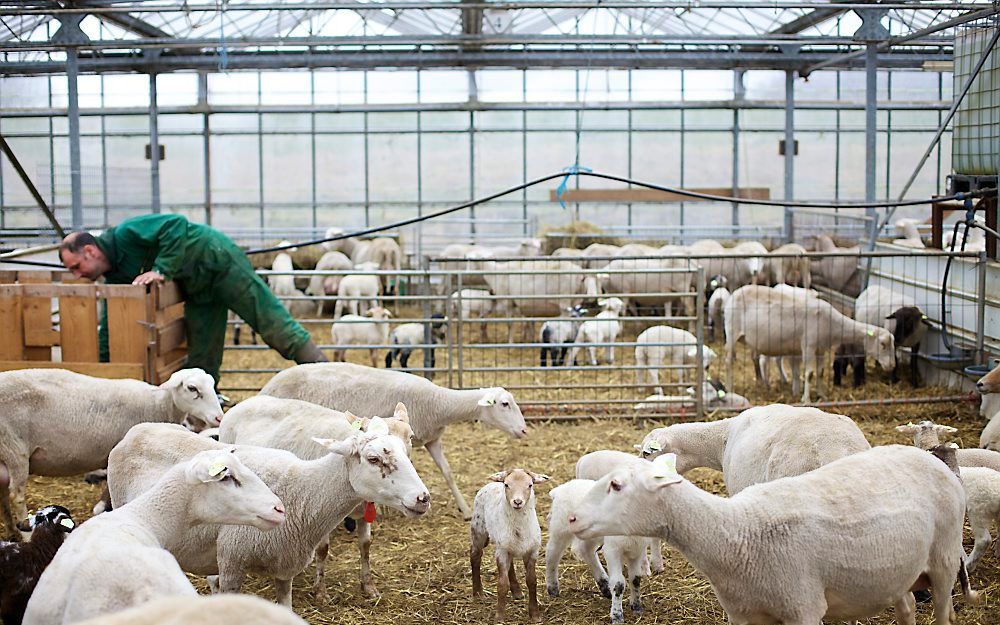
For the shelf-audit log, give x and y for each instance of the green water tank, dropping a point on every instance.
(975, 142)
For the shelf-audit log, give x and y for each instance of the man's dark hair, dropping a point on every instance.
(76, 241)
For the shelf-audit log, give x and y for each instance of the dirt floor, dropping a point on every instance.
(422, 566)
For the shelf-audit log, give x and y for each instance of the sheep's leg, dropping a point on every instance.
(588, 553)
(230, 578)
(730, 356)
(593, 355)
(554, 549)
(762, 370)
(634, 573)
(283, 592)
(906, 610)
(515, 588)
(477, 544)
(796, 369)
(503, 560)
(809, 369)
(617, 581)
(404, 358)
(319, 585)
(338, 308)
(13, 486)
(531, 581)
(656, 551)
(436, 449)
(914, 373)
(981, 532)
(942, 582)
(542, 353)
(364, 548)
(389, 355)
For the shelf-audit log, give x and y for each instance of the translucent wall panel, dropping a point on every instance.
(656, 156)
(235, 169)
(339, 87)
(34, 156)
(852, 166)
(766, 85)
(814, 176)
(551, 85)
(548, 152)
(288, 87)
(500, 85)
(444, 86)
(287, 169)
(392, 87)
(445, 167)
(128, 172)
(340, 168)
(708, 160)
(24, 92)
(182, 177)
(177, 89)
(500, 163)
(760, 164)
(604, 85)
(603, 152)
(233, 88)
(392, 166)
(656, 85)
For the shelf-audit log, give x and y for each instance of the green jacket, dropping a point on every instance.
(191, 254)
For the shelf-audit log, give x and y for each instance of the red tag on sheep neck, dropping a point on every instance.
(370, 511)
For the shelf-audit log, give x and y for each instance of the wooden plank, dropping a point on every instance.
(37, 353)
(121, 291)
(165, 365)
(8, 277)
(97, 369)
(38, 327)
(78, 323)
(127, 336)
(653, 195)
(170, 337)
(169, 314)
(11, 320)
(59, 290)
(167, 294)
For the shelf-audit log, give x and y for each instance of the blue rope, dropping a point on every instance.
(572, 170)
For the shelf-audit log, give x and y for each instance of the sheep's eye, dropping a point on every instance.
(374, 460)
(616, 485)
(506, 485)
(505, 404)
(230, 478)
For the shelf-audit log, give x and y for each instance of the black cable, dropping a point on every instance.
(35, 263)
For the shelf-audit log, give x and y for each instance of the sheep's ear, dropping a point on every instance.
(664, 470)
(377, 426)
(602, 302)
(401, 413)
(692, 352)
(368, 313)
(498, 477)
(345, 447)
(489, 398)
(947, 429)
(637, 447)
(909, 428)
(892, 316)
(214, 470)
(538, 478)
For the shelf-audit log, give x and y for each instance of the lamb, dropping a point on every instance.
(714, 397)
(793, 270)
(601, 251)
(565, 282)
(558, 334)
(990, 438)
(617, 550)
(769, 561)
(504, 512)
(926, 435)
(283, 424)
(59, 423)
(371, 329)
(897, 313)
(989, 390)
(384, 253)
(760, 444)
(982, 489)
(21, 564)
(716, 304)
(657, 281)
(282, 284)
(475, 304)
(217, 610)
(911, 236)
(405, 338)
(369, 392)
(604, 328)
(368, 466)
(774, 324)
(839, 269)
(117, 560)
(681, 348)
(361, 291)
(754, 264)
(320, 285)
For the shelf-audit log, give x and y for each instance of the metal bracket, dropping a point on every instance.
(871, 25)
(69, 32)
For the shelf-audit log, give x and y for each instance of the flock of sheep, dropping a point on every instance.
(788, 325)
(806, 534)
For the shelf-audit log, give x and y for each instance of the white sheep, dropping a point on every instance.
(982, 491)
(839, 269)
(760, 444)
(319, 285)
(59, 423)
(990, 438)
(841, 542)
(385, 254)
(637, 249)
(682, 349)
(290, 424)
(601, 251)
(475, 304)
(775, 324)
(629, 551)
(604, 328)
(370, 329)
(653, 282)
(754, 264)
(564, 283)
(368, 392)
(360, 291)
(216, 610)
(926, 435)
(368, 466)
(714, 396)
(897, 313)
(409, 336)
(793, 270)
(557, 334)
(910, 235)
(716, 304)
(117, 560)
(567, 252)
(282, 284)
(504, 512)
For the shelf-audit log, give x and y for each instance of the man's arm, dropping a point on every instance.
(167, 233)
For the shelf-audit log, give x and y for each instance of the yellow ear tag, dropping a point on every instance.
(652, 446)
(923, 317)
(356, 424)
(216, 468)
(722, 394)
(67, 523)
(871, 333)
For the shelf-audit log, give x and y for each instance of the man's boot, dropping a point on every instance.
(309, 353)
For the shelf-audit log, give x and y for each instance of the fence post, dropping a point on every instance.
(460, 343)
(426, 311)
(981, 308)
(699, 333)
(449, 306)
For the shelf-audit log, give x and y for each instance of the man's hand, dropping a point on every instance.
(150, 277)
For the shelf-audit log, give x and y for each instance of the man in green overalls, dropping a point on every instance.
(214, 276)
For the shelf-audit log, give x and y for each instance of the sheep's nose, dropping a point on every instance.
(518, 503)
(424, 499)
(524, 431)
(980, 385)
(280, 509)
(572, 518)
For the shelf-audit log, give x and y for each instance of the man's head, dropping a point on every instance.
(81, 255)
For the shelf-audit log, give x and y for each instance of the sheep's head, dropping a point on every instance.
(398, 424)
(990, 383)
(530, 247)
(947, 454)
(229, 493)
(880, 345)
(926, 433)
(911, 325)
(990, 438)
(718, 281)
(519, 486)
(378, 313)
(612, 304)
(54, 516)
(622, 501)
(193, 393)
(497, 408)
(655, 443)
(379, 469)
